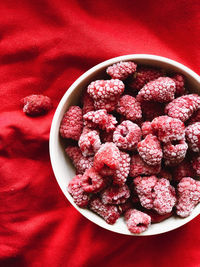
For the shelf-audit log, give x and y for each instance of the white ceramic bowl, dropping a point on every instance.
(62, 167)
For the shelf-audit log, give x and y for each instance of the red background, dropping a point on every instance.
(45, 45)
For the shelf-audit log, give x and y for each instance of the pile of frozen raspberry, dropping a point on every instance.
(135, 143)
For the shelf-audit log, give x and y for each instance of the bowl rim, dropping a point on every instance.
(63, 100)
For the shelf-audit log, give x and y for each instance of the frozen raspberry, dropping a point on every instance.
(108, 155)
(160, 90)
(146, 128)
(188, 196)
(139, 167)
(173, 154)
(179, 80)
(101, 119)
(121, 70)
(89, 142)
(80, 197)
(150, 150)
(35, 105)
(155, 193)
(195, 117)
(144, 186)
(106, 137)
(80, 162)
(196, 165)
(152, 109)
(108, 104)
(88, 103)
(184, 169)
(123, 207)
(109, 213)
(143, 76)
(127, 135)
(168, 129)
(123, 171)
(83, 164)
(183, 107)
(92, 182)
(129, 107)
(137, 221)
(115, 194)
(72, 123)
(165, 173)
(192, 134)
(157, 218)
(164, 197)
(105, 89)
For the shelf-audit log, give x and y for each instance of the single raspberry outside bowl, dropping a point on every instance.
(62, 167)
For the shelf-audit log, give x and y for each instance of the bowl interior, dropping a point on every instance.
(62, 166)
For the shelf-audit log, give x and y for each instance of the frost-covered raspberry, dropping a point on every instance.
(80, 162)
(105, 93)
(89, 142)
(155, 193)
(196, 165)
(151, 109)
(129, 107)
(137, 221)
(83, 164)
(156, 218)
(75, 189)
(139, 167)
(160, 90)
(173, 154)
(115, 194)
(150, 150)
(164, 197)
(183, 107)
(109, 213)
(108, 104)
(127, 135)
(179, 80)
(105, 89)
(72, 123)
(146, 128)
(143, 76)
(121, 70)
(101, 119)
(122, 172)
(108, 155)
(168, 129)
(144, 186)
(35, 105)
(184, 169)
(192, 134)
(92, 181)
(188, 196)
(88, 103)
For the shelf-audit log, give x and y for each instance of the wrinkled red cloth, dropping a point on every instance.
(45, 46)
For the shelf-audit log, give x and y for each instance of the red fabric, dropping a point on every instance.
(46, 45)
